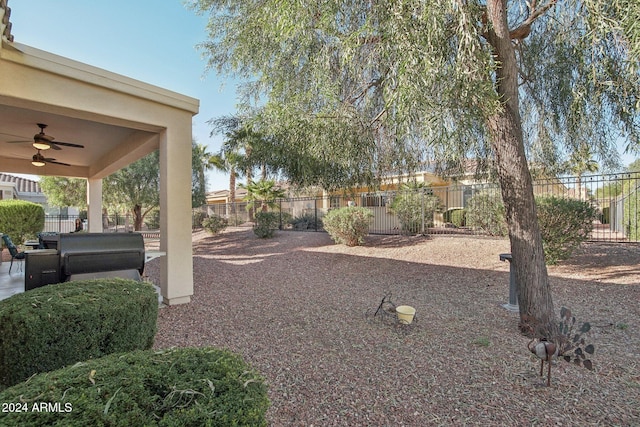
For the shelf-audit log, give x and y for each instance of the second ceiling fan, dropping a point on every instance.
(40, 160)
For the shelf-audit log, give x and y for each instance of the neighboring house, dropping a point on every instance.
(14, 187)
(454, 193)
(56, 219)
(221, 197)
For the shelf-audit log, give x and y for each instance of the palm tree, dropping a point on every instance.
(248, 144)
(240, 151)
(228, 162)
(263, 193)
(200, 162)
(581, 161)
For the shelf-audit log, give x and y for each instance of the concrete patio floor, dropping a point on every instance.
(11, 283)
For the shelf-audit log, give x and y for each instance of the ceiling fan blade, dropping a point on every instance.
(17, 142)
(67, 144)
(57, 163)
(55, 147)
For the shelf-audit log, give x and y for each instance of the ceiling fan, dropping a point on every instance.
(39, 160)
(42, 141)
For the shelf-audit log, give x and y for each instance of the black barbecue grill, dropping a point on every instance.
(85, 256)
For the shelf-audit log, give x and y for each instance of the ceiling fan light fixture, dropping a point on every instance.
(38, 163)
(41, 145)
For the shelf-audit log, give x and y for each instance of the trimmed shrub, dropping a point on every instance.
(415, 208)
(306, 222)
(266, 223)
(57, 325)
(564, 224)
(485, 212)
(348, 225)
(197, 218)
(20, 219)
(456, 217)
(215, 224)
(177, 387)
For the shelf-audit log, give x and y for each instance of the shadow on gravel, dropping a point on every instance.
(304, 319)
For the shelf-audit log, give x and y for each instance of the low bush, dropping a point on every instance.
(456, 217)
(57, 325)
(348, 225)
(177, 387)
(564, 224)
(20, 219)
(266, 224)
(214, 224)
(414, 208)
(485, 212)
(197, 218)
(306, 222)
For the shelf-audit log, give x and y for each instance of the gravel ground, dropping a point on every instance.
(300, 310)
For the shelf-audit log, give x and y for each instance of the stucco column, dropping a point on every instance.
(176, 268)
(94, 205)
(326, 201)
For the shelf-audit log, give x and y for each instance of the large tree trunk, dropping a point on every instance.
(137, 217)
(505, 127)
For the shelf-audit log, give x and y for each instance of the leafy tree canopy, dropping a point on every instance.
(135, 188)
(356, 90)
(64, 192)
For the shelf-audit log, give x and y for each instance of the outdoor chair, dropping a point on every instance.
(13, 250)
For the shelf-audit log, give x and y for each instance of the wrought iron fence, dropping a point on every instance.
(463, 208)
(453, 209)
(118, 223)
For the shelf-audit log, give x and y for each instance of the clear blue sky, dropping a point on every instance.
(149, 40)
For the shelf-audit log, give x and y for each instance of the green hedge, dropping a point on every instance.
(56, 325)
(564, 224)
(177, 387)
(266, 224)
(214, 224)
(414, 209)
(485, 212)
(348, 225)
(20, 219)
(456, 217)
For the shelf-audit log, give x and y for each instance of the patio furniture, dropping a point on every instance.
(31, 244)
(94, 255)
(81, 256)
(13, 250)
(48, 240)
(41, 267)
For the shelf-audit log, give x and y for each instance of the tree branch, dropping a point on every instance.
(524, 29)
(373, 83)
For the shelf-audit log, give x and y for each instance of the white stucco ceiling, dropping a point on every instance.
(20, 124)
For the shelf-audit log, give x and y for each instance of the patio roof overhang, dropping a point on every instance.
(118, 120)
